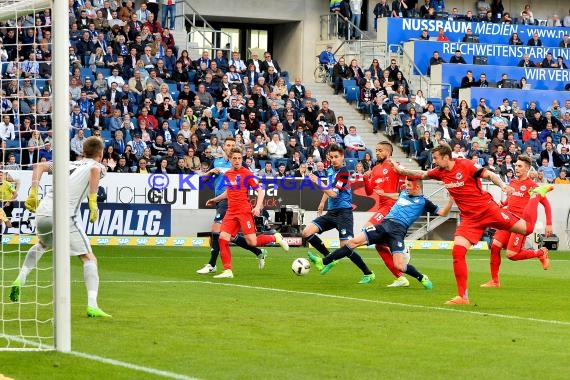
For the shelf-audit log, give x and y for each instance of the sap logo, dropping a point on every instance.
(179, 242)
(443, 245)
(6, 239)
(142, 241)
(334, 244)
(25, 240)
(426, 245)
(160, 241)
(123, 241)
(103, 241)
(198, 242)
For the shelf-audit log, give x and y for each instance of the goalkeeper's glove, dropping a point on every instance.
(93, 208)
(32, 202)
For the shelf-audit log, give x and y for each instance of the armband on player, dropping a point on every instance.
(93, 208)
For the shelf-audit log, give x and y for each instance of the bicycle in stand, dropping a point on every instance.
(323, 72)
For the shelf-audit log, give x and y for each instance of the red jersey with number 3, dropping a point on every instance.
(238, 184)
(384, 178)
(464, 184)
(517, 201)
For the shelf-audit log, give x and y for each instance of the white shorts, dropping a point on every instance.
(79, 242)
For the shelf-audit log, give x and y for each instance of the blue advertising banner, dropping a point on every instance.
(495, 96)
(119, 219)
(399, 30)
(539, 79)
(504, 55)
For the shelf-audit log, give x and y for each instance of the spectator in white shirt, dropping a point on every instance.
(353, 143)
(7, 131)
(276, 148)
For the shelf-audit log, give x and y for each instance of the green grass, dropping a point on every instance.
(275, 325)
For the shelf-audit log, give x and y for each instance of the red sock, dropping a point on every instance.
(225, 253)
(386, 256)
(264, 240)
(526, 254)
(495, 262)
(460, 269)
(530, 214)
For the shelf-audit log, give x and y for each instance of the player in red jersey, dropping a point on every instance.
(385, 182)
(516, 203)
(239, 181)
(478, 210)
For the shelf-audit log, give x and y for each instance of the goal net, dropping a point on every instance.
(29, 54)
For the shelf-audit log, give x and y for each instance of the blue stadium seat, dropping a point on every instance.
(13, 144)
(351, 164)
(173, 124)
(262, 163)
(86, 72)
(174, 95)
(278, 162)
(172, 87)
(437, 103)
(351, 94)
(105, 71)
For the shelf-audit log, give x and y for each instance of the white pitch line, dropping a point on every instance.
(135, 367)
(100, 359)
(400, 304)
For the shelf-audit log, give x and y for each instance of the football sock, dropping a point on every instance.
(316, 242)
(530, 214)
(215, 250)
(412, 271)
(357, 260)
(241, 242)
(526, 254)
(386, 256)
(264, 240)
(344, 251)
(460, 269)
(32, 257)
(225, 254)
(495, 262)
(91, 278)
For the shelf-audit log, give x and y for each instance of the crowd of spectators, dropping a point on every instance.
(158, 108)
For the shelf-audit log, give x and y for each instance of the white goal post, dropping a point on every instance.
(12, 10)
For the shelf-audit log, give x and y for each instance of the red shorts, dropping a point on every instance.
(379, 215)
(233, 223)
(510, 240)
(472, 229)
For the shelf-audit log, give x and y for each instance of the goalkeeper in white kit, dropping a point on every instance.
(84, 176)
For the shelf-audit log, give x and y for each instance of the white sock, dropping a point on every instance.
(32, 257)
(91, 277)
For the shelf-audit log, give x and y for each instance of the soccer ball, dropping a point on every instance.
(301, 266)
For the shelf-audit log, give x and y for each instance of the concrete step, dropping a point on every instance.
(352, 116)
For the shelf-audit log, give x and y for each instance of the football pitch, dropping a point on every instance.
(169, 322)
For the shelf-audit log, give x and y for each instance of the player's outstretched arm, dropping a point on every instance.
(38, 170)
(259, 204)
(407, 172)
(211, 202)
(548, 213)
(487, 174)
(444, 211)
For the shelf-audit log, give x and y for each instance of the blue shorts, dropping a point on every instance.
(341, 219)
(221, 208)
(388, 232)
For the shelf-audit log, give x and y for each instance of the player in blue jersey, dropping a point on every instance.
(338, 196)
(411, 204)
(217, 169)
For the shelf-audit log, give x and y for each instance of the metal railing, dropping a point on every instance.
(411, 69)
(335, 26)
(209, 37)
